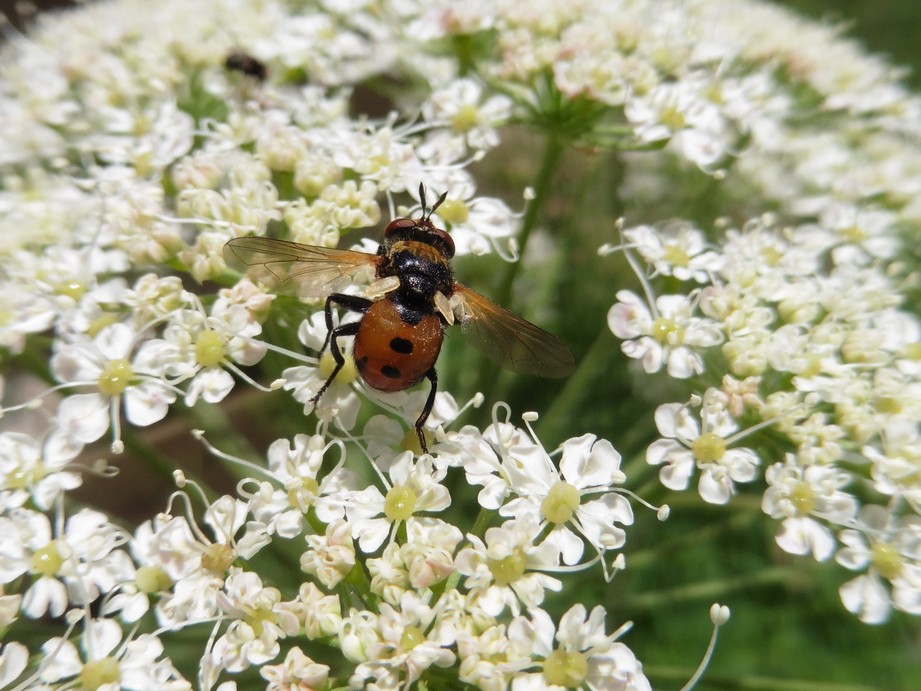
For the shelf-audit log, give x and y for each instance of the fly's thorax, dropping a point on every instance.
(422, 269)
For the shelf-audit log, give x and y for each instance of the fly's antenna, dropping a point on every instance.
(438, 202)
(444, 195)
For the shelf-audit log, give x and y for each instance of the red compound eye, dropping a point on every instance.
(447, 241)
(399, 224)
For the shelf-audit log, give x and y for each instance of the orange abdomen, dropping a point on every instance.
(392, 354)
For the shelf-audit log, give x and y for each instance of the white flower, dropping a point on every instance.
(889, 549)
(895, 466)
(425, 559)
(414, 488)
(555, 497)
(73, 567)
(483, 457)
(686, 446)
(195, 566)
(104, 363)
(679, 113)
(865, 234)
(319, 613)
(503, 571)
(36, 470)
(329, 557)
(298, 671)
(226, 517)
(399, 644)
(462, 106)
(258, 623)
(665, 335)
(800, 495)
(489, 659)
(198, 347)
(72, 278)
(153, 298)
(25, 312)
(137, 664)
(296, 467)
(583, 657)
(677, 250)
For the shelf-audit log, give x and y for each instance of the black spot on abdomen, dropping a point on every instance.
(401, 345)
(390, 372)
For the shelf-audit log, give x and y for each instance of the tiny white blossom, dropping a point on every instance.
(801, 495)
(36, 470)
(298, 671)
(666, 335)
(401, 644)
(504, 570)
(564, 499)
(257, 623)
(688, 444)
(75, 566)
(104, 363)
(677, 250)
(583, 656)
(888, 549)
(462, 106)
(137, 664)
(330, 557)
(414, 488)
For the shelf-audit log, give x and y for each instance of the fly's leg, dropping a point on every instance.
(352, 303)
(432, 376)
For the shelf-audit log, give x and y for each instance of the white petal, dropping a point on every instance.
(867, 598)
(13, 660)
(805, 535)
(666, 418)
(85, 417)
(147, 403)
(715, 489)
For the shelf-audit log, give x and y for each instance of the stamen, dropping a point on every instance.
(719, 615)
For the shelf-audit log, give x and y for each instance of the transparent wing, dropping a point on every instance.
(510, 341)
(304, 270)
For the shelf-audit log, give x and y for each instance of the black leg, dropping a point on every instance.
(353, 303)
(432, 376)
(349, 329)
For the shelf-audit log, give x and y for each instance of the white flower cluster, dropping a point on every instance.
(133, 150)
(127, 164)
(798, 342)
(799, 317)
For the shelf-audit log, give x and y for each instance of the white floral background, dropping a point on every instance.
(715, 203)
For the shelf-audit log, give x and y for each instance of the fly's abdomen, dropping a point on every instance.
(392, 354)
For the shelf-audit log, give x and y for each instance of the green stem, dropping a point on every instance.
(482, 521)
(553, 151)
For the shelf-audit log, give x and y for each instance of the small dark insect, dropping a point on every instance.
(399, 336)
(238, 61)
